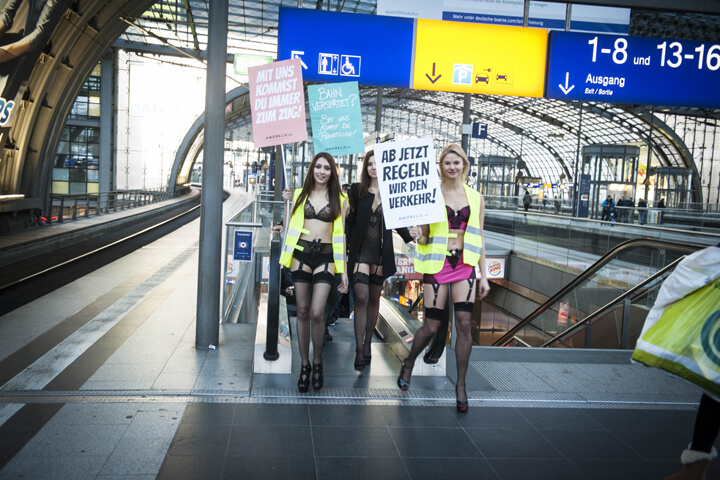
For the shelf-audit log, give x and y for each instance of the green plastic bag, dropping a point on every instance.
(682, 332)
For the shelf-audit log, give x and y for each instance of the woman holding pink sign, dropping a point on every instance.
(371, 257)
(314, 251)
(448, 253)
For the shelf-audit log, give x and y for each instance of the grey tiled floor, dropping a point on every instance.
(268, 441)
(142, 402)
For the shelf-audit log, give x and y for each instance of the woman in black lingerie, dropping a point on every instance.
(312, 261)
(371, 258)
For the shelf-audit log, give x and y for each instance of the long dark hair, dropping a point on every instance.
(364, 177)
(333, 185)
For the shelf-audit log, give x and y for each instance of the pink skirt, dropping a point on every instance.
(454, 270)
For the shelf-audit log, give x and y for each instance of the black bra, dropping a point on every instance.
(458, 220)
(323, 215)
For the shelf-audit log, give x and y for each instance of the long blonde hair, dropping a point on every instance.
(457, 150)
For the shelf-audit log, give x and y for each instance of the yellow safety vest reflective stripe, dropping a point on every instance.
(296, 228)
(430, 257)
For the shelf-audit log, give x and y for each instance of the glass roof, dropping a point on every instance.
(544, 133)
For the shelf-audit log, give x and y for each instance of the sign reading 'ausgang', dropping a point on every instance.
(463, 57)
(639, 70)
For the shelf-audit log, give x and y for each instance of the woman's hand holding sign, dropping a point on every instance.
(416, 232)
(286, 195)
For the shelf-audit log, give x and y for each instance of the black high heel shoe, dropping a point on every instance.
(317, 376)
(402, 384)
(368, 359)
(360, 363)
(462, 407)
(304, 380)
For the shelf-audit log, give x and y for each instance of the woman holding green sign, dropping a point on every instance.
(448, 253)
(314, 251)
(371, 257)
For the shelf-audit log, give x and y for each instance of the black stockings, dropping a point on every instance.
(367, 306)
(311, 300)
(707, 424)
(462, 294)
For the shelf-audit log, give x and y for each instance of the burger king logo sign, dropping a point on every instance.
(495, 269)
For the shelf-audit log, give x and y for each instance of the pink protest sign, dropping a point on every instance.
(277, 103)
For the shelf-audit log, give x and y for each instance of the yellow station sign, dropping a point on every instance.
(477, 58)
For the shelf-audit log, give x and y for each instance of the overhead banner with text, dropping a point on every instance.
(336, 118)
(409, 183)
(277, 103)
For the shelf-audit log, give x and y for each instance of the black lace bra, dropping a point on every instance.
(458, 220)
(323, 215)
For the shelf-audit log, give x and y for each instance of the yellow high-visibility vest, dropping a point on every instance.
(296, 228)
(430, 257)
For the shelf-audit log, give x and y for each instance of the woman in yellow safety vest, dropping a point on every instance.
(448, 253)
(314, 250)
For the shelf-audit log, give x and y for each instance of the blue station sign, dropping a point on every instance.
(344, 47)
(637, 70)
(242, 248)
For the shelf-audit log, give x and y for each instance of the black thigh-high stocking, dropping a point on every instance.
(373, 310)
(362, 292)
(320, 293)
(463, 296)
(303, 297)
(463, 347)
(421, 340)
(373, 307)
(707, 424)
(436, 295)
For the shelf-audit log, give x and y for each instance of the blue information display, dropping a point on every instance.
(583, 198)
(639, 70)
(343, 47)
(242, 250)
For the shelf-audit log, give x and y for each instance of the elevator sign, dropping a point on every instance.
(637, 70)
(345, 47)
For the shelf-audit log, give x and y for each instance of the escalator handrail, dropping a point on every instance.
(667, 269)
(594, 268)
(273, 308)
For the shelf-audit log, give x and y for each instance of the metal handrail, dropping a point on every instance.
(660, 273)
(594, 268)
(273, 307)
(103, 202)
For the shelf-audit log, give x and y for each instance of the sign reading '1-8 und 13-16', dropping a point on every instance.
(640, 70)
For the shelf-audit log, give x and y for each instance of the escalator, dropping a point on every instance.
(606, 305)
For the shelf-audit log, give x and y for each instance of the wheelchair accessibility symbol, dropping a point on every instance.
(349, 65)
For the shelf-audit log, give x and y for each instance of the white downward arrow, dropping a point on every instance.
(565, 89)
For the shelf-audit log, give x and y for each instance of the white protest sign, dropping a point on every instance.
(409, 183)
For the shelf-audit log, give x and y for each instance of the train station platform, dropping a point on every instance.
(101, 379)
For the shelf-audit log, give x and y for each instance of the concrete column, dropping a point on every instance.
(466, 121)
(378, 112)
(107, 123)
(207, 328)
(578, 165)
